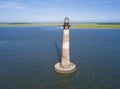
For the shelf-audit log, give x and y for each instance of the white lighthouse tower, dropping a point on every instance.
(65, 66)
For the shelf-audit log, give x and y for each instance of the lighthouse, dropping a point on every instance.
(65, 66)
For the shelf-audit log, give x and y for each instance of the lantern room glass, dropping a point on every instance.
(66, 20)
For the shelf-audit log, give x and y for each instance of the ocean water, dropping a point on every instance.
(28, 55)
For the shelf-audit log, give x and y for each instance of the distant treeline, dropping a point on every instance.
(15, 23)
(61, 22)
(109, 23)
(19, 23)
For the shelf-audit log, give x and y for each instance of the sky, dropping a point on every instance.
(57, 10)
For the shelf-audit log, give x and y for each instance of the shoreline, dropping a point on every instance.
(97, 26)
(73, 26)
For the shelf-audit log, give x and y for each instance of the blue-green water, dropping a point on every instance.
(28, 55)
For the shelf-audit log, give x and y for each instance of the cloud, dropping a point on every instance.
(12, 5)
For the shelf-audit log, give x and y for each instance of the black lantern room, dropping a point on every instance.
(66, 23)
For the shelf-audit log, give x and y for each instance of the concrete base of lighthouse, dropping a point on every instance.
(71, 69)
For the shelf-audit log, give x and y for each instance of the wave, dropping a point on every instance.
(2, 42)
